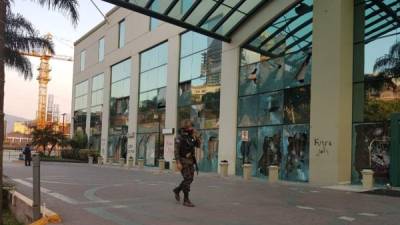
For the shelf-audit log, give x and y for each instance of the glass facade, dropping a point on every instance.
(101, 49)
(199, 93)
(376, 87)
(80, 106)
(119, 110)
(121, 34)
(274, 114)
(96, 112)
(152, 97)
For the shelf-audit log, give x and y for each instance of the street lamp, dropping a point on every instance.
(63, 126)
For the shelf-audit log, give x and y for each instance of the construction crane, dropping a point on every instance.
(44, 78)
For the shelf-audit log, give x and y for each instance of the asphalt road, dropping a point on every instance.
(86, 195)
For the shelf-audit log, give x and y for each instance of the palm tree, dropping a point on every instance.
(388, 66)
(16, 35)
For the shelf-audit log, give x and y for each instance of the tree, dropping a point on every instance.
(388, 65)
(11, 41)
(48, 137)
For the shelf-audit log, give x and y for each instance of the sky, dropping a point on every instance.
(21, 96)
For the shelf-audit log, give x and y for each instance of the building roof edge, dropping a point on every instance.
(94, 29)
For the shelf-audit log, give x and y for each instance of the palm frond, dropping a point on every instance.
(68, 7)
(21, 43)
(17, 23)
(395, 50)
(18, 62)
(384, 62)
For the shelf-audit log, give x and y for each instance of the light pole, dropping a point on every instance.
(63, 126)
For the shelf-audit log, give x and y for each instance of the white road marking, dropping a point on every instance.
(119, 206)
(304, 207)
(346, 218)
(49, 192)
(26, 183)
(314, 191)
(64, 198)
(368, 214)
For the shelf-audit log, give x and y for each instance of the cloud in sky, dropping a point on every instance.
(21, 97)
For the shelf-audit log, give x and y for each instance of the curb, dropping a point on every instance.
(20, 201)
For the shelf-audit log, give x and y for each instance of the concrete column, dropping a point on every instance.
(228, 106)
(331, 92)
(133, 106)
(172, 95)
(106, 113)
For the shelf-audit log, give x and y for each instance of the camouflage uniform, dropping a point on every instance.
(185, 145)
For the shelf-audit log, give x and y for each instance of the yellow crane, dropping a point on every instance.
(44, 78)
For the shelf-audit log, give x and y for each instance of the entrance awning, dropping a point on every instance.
(290, 32)
(381, 18)
(214, 18)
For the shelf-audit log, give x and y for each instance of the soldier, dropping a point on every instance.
(185, 144)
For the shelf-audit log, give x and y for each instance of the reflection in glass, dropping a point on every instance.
(297, 105)
(207, 154)
(80, 121)
(295, 162)
(371, 150)
(95, 128)
(152, 102)
(274, 92)
(270, 148)
(248, 111)
(199, 93)
(247, 150)
(270, 109)
(119, 110)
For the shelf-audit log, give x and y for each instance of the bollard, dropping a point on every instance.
(247, 171)
(140, 163)
(122, 162)
(161, 164)
(273, 173)
(173, 166)
(90, 160)
(223, 167)
(100, 160)
(130, 162)
(367, 178)
(36, 187)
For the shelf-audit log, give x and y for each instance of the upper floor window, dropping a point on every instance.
(83, 59)
(101, 49)
(121, 34)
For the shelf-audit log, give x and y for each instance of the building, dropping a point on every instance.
(16, 140)
(21, 127)
(279, 82)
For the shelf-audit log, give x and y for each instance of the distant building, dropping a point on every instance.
(17, 140)
(21, 127)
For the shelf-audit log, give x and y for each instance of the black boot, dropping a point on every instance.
(176, 192)
(186, 201)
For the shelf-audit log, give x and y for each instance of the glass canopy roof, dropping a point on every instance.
(381, 18)
(290, 32)
(214, 18)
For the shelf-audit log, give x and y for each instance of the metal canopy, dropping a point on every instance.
(381, 18)
(214, 18)
(289, 32)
